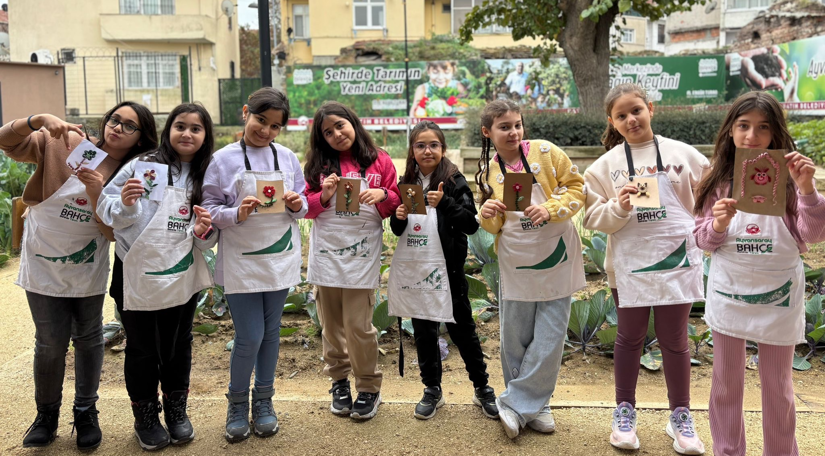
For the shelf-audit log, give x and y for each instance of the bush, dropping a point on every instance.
(13, 178)
(810, 137)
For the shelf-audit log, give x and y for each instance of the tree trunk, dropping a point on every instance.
(586, 45)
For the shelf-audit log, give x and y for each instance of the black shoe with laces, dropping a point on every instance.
(430, 403)
(87, 427)
(365, 406)
(43, 431)
(174, 414)
(341, 398)
(485, 397)
(150, 433)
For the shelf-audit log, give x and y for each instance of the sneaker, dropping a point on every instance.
(87, 427)
(366, 406)
(264, 421)
(485, 397)
(680, 429)
(430, 403)
(177, 421)
(237, 417)
(341, 398)
(151, 435)
(544, 422)
(43, 431)
(624, 427)
(509, 420)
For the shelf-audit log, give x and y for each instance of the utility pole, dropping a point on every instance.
(264, 43)
(406, 71)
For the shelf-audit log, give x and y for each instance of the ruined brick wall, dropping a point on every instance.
(786, 20)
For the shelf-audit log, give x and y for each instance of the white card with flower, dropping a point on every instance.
(85, 155)
(154, 177)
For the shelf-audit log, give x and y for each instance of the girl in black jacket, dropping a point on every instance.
(446, 190)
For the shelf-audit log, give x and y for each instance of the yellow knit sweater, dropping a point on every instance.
(557, 175)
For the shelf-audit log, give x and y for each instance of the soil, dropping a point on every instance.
(582, 400)
(767, 65)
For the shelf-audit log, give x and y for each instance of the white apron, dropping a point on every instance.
(656, 259)
(418, 286)
(163, 268)
(756, 284)
(345, 247)
(538, 263)
(264, 252)
(64, 253)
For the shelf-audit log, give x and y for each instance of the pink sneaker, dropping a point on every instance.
(680, 429)
(624, 427)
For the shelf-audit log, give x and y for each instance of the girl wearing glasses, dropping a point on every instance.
(64, 265)
(432, 272)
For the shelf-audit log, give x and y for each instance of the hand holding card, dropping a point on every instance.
(85, 155)
(413, 198)
(271, 194)
(760, 179)
(518, 191)
(154, 177)
(347, 195)
(647, 192)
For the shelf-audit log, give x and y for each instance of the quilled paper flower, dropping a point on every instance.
(517, 187)
(269, 191)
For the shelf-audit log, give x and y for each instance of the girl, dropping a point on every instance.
(345, 252)
(647, 240)
(737, 307)
(64, 265)
(451, 216)
(541, 263)
(158, 274)
(442, 85)
(259, 256)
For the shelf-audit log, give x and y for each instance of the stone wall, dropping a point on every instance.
(785, 21)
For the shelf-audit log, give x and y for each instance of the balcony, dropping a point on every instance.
(162, 28)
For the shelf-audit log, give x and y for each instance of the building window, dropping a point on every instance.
(749, 4)
(460, 10)
(300, 15)
(730, 36)
(368, 14)
(148, 7)
(628, 36)
(149, 70)
(660, 38)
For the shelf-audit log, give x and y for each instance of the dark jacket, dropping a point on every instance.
(456, 215)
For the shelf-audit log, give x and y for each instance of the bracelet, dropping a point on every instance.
(29, 122)
(386, 194)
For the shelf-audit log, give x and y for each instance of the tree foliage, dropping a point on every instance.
(250, 53)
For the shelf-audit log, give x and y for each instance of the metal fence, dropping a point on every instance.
(95, 83)
(234, 94)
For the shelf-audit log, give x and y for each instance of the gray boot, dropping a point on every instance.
(237, 417)
(264, 420)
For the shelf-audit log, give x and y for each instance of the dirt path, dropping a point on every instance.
(582, 401)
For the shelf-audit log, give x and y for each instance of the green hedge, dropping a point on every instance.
(567, 130)
(810, 137)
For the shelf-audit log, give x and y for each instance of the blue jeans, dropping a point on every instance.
(257, 320)
(56, 321)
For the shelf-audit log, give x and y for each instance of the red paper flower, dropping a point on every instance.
(423, 102)
(348, 187)
(452, 100)
(81, 201)
(517, 187)
(269, 191)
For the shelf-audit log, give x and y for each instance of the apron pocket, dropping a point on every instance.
(349, 245)
(284, 245)
(540, 255)
(167, 260)
(658, 255)
(63, 248)
(412, 276)
(754, 287)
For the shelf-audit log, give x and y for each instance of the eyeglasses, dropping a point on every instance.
(433, 146)
(127, 128)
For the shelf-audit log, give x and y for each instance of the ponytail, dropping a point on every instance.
(611, 137)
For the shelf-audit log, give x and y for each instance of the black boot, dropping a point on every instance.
(177, 422)
(43, 431)
(87, 427)
(150, 433)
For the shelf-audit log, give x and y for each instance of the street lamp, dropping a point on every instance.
(406, 70)
(263, 41)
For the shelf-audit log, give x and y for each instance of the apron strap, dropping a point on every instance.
(631, 171)
(401, 348)
(523, 162)
(246, 158)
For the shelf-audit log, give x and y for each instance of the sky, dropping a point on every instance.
(247, 16)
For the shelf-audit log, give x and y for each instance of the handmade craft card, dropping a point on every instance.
(518, 191)
(413, 198)
(760, 179)
(154, 178)
(347, 195)
(85, 155)
(271, 194)
(647, 192)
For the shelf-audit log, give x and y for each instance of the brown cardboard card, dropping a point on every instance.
(271, 194)
(647, 192)
(518, 191)
(760, 179)
(347, 195)
(413, 198)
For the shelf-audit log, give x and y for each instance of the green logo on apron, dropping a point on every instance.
(431, 282)
(353, 250)
(282, 245)
(673, 261)
(84, 255)
(182, 265)
(557, 257)
(765, 298)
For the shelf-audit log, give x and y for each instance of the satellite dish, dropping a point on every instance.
(228, 7)
(710, 6)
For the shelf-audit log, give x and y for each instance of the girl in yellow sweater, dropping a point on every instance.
(539, 258)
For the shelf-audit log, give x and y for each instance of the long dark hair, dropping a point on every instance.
(167, 155)
(148, 132)
(491, 112)
(611, 137)
(322, 158)
(721, 172)
(445, 170)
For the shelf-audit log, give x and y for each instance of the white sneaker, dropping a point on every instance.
(624, 427)
(509, 420)
(680, 429)
(544, 422)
